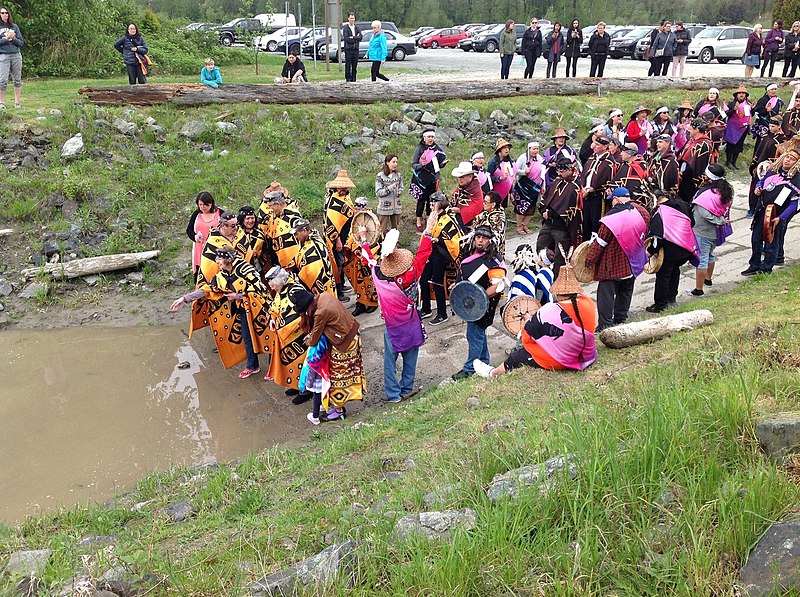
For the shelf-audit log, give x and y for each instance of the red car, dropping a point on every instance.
(443, 38)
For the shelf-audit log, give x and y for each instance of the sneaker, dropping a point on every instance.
(750, 214)
(17, 105)
(334, 414)
(342, 297)
(268, 377)
(438, 319)
(248, 372)
(360, 308)
(750, 271)
(462, 375)
(780, 261)
(291, 392)
(302, 397)
(650, 309)
(694, 292)
(482, 368)
(708, 282)
(424, 314)
(314, 420)
(392, 400)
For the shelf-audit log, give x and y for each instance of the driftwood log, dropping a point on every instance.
(91, 265)
(639, 332)
(429, 90)
(6, 231)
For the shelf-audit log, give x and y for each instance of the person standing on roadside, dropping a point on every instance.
(599, 44)
(377, 51)
(772, 42)
(752, 51)
(663, 49)
(573, 43)
(791, 53)
(10, 57)
(683, 38)
(388, 189)
(654, 62)
(351, 36)
(133, 50)
(531, 47)
(508, 45)
(555, 48)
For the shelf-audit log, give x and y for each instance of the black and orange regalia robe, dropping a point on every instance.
(280, 244)
(339, 212)
(448, 232)
(249, 244)
(360, 274)
(216, 311)
(288, 348)
(312, 264)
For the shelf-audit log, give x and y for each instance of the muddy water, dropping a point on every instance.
(87, 412)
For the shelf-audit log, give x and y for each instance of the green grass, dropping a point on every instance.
(674, 416)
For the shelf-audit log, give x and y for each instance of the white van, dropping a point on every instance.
(272, 21)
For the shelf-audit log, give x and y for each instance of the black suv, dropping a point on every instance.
(238, 30)
(489, 40)
(363, 26)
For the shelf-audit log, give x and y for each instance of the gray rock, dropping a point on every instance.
(73, 147)
(393, 475)
(321, 570)
(24, 587)
(500, 425)
(125, 127)
(350, 141)
(5, 287)
(147, 154)
(474, 115)
(499, 116)
(28, 563)
(193, 129)
(550, 112)
(34, 289)
(666, 499)
(154, 128)
(367, 132)
(104, 594)
(226, 127)
(509, 484)
(472, 403)
(779, 435)
(398, 128)
(115, 574)
(180, 511)
(522, 134)
(453, 133)
(442, 139)
(208, 153)
(546, 127)
(2, 307)
(773, 567)
(150, 121)
(457, 111)
(435, 525)
(137, 277)
(437, 496)
(572, 132)
(55, 112)
(474, 126)
(406, 108)
(97, 541)
(427, 118)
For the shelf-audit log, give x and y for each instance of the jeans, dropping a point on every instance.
(478, 346)
(135, 74)
(613, 301)
(759, 245)
(571, 62)
(505, 65)
(530, 63)
(393, 389)
(247, 340)
(597, 66)
(706, 246)
(350, 65)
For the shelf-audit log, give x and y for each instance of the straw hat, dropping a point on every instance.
(342, 181)
(685, 105)
(566, 283)
(396, 263)
(640, 108)
(741, 89)
(561, 132)
(501, 143)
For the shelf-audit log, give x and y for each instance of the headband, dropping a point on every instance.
(616, 112)
(710, 175)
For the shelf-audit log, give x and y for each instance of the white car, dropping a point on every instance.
(720, 43)
(269, 43)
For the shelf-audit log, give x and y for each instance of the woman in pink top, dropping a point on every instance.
(204, 218)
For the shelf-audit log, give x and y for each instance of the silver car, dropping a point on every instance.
(720, 43)
(397, 47)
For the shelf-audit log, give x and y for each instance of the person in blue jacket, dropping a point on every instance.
(133, 49)
(377, 51)
(210, 74)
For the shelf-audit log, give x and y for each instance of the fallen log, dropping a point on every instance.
(639, 332)
(6, 231)
(427, 90)
(91, 265)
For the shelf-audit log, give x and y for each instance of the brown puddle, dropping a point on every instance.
(87, 412)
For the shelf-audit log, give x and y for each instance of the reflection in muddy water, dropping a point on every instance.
(87, 412)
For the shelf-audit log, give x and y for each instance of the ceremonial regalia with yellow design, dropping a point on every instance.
(339, 212)
(288, 348)
(208, 257)
(216, 311)
(313, 265)
(249, 245)
(360, 274)
(447, 235)
(280, 243)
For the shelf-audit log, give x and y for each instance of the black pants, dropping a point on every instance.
(733, 150)
(530, 63)
(790, 63)
(552, 67)
(655, 67)
(592, 211)
(550, 238)
(376, 71)
(434, 272)
(665, 62)
(135, 74)
(505, 65)
(613, 301)
(668, 279)
(769, 58)
(572, 61)
(350, 65)
(597, 67)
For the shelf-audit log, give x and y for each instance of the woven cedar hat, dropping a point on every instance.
(342, 181)
(741, 89)
(501, 143)
(685, 105)
(561, 132)
(395, 261)
(566, 283)
(276, 186)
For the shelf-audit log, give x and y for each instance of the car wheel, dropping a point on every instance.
(294, 49)
(399, 54)
(272, 46)
(465, 49)
(706, 56)
(723, 60)
(434, 44)
(491, 46)
(226, 40)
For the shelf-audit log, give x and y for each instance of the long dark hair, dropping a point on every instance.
(560, 27)
(722, 186)
(206, 198)
(574, 299)
(571, 25)
(10, 20)
(307, 316)
(389, 157)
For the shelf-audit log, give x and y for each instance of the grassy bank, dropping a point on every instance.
(671, 492)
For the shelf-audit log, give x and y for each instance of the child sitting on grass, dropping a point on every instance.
(210, 74)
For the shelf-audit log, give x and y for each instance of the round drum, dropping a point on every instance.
(654, 261)
(768, 227)
(469, 301)
(370, 221)
(517, 311)
(583, 273)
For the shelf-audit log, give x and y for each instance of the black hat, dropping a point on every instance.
(484, 231)
(564, 164)
(699, 124)
(664, 137)
(301, 224)
(776, 120)
(602, 140)
(301, 299)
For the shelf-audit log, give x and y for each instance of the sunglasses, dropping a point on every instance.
(3, 12)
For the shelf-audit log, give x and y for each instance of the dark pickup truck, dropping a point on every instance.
(238, 30)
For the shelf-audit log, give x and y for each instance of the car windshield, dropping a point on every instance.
(231, 23)
(620, 33)
(496, 28)
(640, 31)
(710, 32)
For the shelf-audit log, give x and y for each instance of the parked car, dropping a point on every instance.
(615, 32)
(238, 30)
(626, 45)
(546, 29)
(420, 31)
(397, 47)
(447, 37)
(473, 27)
(295, 43)
(309, 44)
(272, 21)
(644, 43)
(269, 43)
(195, 27)
(489, 41)
(720, 43)
(466, 43)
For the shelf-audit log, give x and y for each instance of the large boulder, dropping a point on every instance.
(28, 563)
(435, 525)
(779, 435)
(193, 129)
(509, 484)
(773, 567)
(320, 571)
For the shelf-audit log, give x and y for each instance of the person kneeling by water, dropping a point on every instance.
(558, 336)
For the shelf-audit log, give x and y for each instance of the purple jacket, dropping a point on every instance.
(773, 40)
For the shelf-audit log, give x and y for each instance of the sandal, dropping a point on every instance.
(248, 372)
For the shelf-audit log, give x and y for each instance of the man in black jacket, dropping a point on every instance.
(351, 36)
(531, 47)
